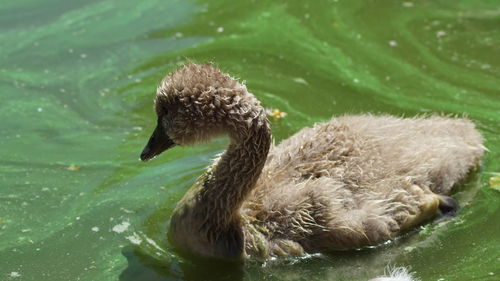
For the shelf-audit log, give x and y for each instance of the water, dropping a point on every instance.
(77, 79)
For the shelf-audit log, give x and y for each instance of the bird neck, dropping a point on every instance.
(207, 221)
(235, 175)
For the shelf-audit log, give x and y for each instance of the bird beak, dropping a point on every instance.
(158, 142)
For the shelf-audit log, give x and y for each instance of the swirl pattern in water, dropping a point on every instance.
(77, 80)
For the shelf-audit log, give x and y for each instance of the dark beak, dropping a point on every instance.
(158, 142)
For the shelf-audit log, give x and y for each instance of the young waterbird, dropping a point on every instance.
(345, 183)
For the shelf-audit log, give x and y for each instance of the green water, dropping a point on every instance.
(77, 80)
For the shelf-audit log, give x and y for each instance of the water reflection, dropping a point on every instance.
(142, 266)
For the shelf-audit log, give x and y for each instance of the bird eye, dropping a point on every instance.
(163, 121)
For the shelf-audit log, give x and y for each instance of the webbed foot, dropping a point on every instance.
(447, 206)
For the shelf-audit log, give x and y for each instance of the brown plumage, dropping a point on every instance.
(345, 183)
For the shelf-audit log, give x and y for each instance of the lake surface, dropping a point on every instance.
(77, 81)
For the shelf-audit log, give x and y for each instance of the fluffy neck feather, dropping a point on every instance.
(207, 221)
(235, 176)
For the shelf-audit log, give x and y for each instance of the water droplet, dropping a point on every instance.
(440, 33)
(300, 80)
(119, 228)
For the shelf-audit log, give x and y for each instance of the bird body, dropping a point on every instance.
(357, 180)
(353, 181)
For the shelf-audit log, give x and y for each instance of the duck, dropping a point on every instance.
(351, 182)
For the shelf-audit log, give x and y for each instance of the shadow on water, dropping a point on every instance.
(337, 265)
(143, 267)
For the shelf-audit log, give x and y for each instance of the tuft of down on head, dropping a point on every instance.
(197, 102)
